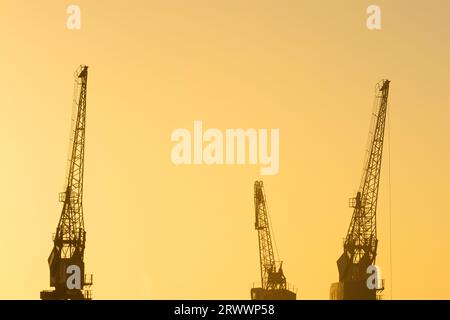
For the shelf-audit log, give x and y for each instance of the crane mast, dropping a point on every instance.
(66, 260)
(273, 281)
(360, 244)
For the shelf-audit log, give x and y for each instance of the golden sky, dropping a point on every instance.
(160, 231)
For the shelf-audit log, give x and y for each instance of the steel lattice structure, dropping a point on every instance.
(70, 238)
(70, 234)
(270, 278)
(360, 245)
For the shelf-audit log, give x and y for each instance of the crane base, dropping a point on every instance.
(276, 294)
(351, 290)
(65, 295)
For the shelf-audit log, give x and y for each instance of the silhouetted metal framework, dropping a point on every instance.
(70, 238)
(273, 281)
(360, 245)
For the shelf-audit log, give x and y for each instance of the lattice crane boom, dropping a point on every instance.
(360, 246)
(70, 231)
(271, 278)
(69, 240)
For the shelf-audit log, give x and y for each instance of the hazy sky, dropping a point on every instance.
(160, 231)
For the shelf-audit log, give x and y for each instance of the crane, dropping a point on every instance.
(273, 281)
(360, 244)
(66, 260)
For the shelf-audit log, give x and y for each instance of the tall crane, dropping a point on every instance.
(360, 244)
(66, 260)
(273, 281)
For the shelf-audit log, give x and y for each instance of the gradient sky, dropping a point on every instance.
(160, 231)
